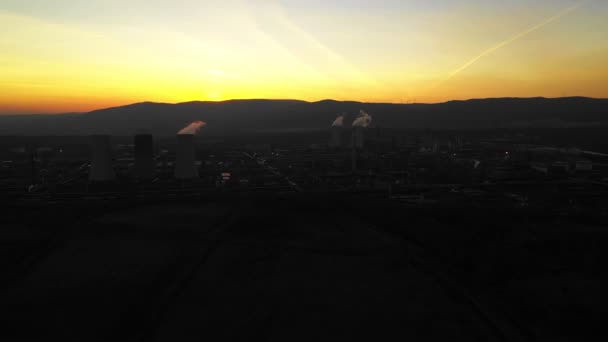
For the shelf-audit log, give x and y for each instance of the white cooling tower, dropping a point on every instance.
(335, 139)
(185, 166)
(101, 159)
(144, 156)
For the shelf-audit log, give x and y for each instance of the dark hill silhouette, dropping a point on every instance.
(236, 116)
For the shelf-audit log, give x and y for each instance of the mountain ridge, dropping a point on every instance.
(233, 116)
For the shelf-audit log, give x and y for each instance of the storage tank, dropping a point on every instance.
(144, 156)
(101, 159)
(185, 166)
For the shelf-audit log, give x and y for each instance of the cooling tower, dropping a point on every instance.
(357, 137)
(144, 156)
(353, 159)
(185, 167)
(335, 139)
(101, 159)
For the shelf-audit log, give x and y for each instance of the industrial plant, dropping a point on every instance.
(354, 157)
(467, 218)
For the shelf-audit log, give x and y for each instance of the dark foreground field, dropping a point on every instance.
(298, 268)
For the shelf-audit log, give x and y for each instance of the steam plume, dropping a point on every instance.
(339, 122)
(363, 120)
(192, 128)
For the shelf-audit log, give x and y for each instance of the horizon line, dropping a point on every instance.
(305, 101)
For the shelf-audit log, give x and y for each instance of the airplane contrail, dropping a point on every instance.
(513, 39)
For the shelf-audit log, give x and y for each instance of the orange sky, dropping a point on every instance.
(90, 54)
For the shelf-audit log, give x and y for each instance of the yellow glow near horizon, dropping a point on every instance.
(86, 55)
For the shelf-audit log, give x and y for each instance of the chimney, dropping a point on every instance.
(353, 159)
(101, 159)
(144, 156)
(357, 138)
(185, 167)
(353, 152)
(335, 139)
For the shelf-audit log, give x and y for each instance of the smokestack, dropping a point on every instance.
(353, 146)
(144, 156)
(337, 126)
(101, 159)
(335, 139)
(185, 167)
(361, 122)
(357, 137)
(353, 159)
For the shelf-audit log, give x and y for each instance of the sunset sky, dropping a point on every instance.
(79, 55)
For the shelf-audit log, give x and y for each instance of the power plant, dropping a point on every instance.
(144, 164)
(185, 165)
(144, 156)
(101, 159)
(334, 198)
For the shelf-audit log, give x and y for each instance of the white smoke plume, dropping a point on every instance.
(339, 122)
(193, 128)
(363, 120)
